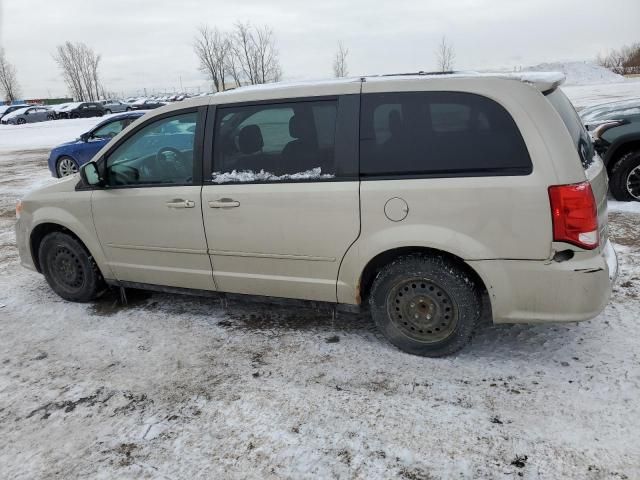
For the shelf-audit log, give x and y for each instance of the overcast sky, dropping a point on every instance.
(149, 43)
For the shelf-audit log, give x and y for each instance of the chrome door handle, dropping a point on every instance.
(179, 203)
(224, 203)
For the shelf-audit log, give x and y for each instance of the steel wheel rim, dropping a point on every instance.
(67, 167)
(422, 310)
(66, 268)
(633, 183)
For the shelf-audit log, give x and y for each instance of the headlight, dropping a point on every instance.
(600, 129)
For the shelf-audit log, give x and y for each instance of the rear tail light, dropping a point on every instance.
(575, 215)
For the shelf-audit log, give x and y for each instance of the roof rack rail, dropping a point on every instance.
(421, 72)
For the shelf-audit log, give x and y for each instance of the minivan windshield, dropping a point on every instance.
(571, 119)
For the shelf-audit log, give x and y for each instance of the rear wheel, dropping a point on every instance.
(69, 268)
(66, 166)
(425, 305)
(625, 177)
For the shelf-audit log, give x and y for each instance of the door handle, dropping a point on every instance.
(179, 203)
(224, 203)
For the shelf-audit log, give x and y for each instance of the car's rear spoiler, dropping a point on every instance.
(546, 82)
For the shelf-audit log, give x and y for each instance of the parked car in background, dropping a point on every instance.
(430, 200)
(85, 110)
(615, 128)
(6, 109)
(26, 115)
(115, 106)
(60, 111)
(65, 159)
(146, 104)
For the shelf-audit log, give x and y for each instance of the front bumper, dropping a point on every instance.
(524, 291)
(24, 249)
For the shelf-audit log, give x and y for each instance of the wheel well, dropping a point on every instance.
(42, 231)
(376, 263)
(620, 151)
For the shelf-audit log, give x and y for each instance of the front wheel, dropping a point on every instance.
(69, 268)
(128, 109)
(107, 112)
(625, 177)
(66, 166)
(21, 121)
(425, 305)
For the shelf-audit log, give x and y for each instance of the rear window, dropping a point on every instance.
(439, 134)
(571, 119)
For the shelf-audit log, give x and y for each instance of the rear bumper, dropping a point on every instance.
(548, 291)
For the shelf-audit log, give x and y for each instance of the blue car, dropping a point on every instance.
(65, 159)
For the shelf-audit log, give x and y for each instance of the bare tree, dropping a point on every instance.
(79, 65)
(340, 62)
(8, 82)
(623, 61)
(256, 55)
(445, 55)
(213, 49)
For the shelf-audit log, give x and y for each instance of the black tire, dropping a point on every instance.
(128, 109)
(21, 121)
(625, 177)
(69, 268)
(425, 305)
(107, 112)
(75, 115)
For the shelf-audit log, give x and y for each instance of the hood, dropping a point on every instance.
(53, 185)
(66, 144)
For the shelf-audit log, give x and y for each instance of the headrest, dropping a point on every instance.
(250, 139)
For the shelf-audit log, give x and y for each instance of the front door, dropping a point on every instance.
(149, 217)
(280, 203)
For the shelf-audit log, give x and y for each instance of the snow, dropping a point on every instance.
(583, 96)
(626, 207)
(15, 113)
(44, 134)
(186, 387)
(262, 176)
(579, 73)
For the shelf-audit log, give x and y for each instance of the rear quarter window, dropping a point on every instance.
(439, 134)
(576, 129)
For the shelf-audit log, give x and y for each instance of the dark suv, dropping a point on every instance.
(86, 109)
(615, 128)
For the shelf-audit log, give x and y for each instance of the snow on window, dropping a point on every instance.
(262, 176)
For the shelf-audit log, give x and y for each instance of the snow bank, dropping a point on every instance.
(579, 73)
(262, 176)
(44, 134)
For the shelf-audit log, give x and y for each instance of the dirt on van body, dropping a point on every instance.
(171, 386)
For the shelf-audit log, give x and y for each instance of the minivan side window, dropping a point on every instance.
(160, 153)
(438, 134)
(281, 142)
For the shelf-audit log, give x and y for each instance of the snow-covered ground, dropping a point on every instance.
(182, 387)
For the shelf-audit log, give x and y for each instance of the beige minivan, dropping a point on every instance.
(413, 195)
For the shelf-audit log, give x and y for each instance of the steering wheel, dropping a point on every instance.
(175, 167)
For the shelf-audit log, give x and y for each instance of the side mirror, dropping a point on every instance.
(85, 137)
(90, 175)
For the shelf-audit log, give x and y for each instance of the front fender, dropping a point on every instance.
(76, 217)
